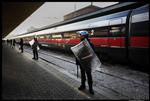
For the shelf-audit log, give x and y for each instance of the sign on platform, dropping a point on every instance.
(31, 42)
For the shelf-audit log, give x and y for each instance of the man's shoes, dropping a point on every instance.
(33, 58)
(81, 87)
(91, 91)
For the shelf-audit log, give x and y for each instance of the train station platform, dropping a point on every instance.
(25, 78)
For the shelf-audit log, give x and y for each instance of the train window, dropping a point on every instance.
(70, 35)
(29, 38)
(117, 31)
(140, 29)
(47, 36)
(26, 38)
(66, 35)
(56, 36)
(41, 36)
(99, 32)
(50, 36)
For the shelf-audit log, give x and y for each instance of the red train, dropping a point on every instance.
(120, 36)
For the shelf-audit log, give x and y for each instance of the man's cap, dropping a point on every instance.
(82, 32)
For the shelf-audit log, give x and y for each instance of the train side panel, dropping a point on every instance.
(139, 37)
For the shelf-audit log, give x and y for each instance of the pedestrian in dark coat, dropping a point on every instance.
(85, 70)
(7, 41)
(11, 43)
(14, 42)
(21, 45)
(34, 48)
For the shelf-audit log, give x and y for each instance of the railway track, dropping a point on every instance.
(73, 63)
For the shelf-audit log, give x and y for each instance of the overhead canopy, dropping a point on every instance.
(13, 13)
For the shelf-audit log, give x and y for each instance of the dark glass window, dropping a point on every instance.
(56, 36)
(140, 29)
(70, 35)
(117, 31)
(41, 36)
(47, 36)
(99, 32)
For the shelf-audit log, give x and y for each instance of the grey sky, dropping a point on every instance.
(52, 12)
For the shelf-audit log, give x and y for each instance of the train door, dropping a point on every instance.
(116, 40)
(139, 36)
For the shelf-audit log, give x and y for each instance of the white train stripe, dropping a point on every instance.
(140, 17)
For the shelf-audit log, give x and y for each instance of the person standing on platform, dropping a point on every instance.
(14, 42)
(35, 49)
(85, 70)
(7, 41)
(11, 43)
(21, 45)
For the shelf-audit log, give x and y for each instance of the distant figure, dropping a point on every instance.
(14, 42)
(11, 43)
(21, 45)
(34, 47)
(7, 41)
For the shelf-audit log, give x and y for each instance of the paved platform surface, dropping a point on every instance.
(23, 78)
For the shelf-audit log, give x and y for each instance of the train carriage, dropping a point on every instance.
(120, 36)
